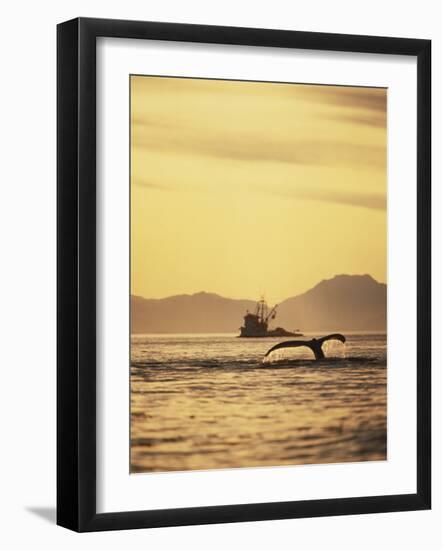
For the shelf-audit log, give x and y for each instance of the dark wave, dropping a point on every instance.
(190, 366)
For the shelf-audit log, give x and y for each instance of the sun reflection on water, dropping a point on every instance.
(208, 401)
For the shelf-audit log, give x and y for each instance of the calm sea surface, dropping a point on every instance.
(208, 401)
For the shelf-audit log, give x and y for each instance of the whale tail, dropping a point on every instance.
(315, 344)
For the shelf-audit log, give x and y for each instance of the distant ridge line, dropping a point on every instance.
(353, 302)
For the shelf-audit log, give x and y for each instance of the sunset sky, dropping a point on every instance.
(250, 188)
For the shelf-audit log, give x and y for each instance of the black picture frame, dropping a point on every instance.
(76, 274)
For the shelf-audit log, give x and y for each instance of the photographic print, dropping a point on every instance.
(258, 274)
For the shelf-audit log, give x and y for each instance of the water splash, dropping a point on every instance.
(289, 355)
(333, 349)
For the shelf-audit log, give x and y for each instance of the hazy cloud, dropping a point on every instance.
(371, 99)
(198, 129)
(375, 201)
(250, 148)
(151, 185)
(378, 120)
(367, 106)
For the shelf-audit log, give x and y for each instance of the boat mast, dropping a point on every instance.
(263, 310)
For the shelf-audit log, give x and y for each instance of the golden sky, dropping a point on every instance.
(250, 188)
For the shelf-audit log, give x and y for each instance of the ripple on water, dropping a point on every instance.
(218, 406)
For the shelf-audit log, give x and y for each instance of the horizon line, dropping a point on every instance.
(255, 300)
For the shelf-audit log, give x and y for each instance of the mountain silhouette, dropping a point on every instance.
(352, 302)
(201, 312)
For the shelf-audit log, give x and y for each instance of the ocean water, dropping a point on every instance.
(208, 401)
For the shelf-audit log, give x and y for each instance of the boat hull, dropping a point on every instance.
(271, 334)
